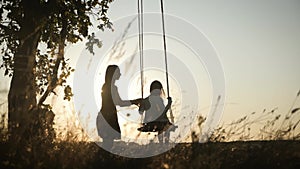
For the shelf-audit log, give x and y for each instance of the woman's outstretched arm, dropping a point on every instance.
(118, 101)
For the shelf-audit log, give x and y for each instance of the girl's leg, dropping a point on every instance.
(160, 136)
(167, 136)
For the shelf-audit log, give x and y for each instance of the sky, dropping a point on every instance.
(256, 43)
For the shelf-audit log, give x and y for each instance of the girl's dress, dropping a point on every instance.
(155, 118)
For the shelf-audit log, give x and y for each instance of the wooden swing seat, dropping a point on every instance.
(157, 126)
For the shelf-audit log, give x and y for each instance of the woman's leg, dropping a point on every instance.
(108, 143)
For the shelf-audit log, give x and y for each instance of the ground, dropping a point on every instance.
(214, 155)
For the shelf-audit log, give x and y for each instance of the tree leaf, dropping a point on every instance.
(6, 72)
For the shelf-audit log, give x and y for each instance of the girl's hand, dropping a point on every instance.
(169, 100)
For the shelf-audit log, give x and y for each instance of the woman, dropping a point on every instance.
(156, 119)
(107, 119)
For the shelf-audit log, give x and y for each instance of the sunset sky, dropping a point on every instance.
(256, 43)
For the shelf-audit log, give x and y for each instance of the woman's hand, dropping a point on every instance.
(137, 101)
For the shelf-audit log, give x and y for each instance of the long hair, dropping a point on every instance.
(110, 73)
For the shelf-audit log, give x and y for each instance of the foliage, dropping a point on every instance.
(52, 24)
(58, 22)
(47, 78)
(92, 40)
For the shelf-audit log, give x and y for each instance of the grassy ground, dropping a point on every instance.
(281, 151)
(219, 155)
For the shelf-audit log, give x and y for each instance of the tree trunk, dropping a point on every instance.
(22, 93)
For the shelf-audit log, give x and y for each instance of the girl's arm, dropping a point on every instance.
(168, 105)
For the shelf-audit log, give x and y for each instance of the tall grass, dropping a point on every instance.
(75, 151)
(273, 125)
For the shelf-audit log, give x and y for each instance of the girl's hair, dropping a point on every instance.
(110, 73)
(155, 85)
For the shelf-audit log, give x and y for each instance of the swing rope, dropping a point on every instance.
(165, 53)
(141, 49)
(141, 43)
(165, 45)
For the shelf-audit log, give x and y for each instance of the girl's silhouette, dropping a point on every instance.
(156, 119)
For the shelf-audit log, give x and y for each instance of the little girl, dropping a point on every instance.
(156, 119)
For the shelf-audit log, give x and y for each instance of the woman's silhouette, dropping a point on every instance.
(107, 119)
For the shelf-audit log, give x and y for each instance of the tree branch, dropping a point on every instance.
(36, 30)
(55, 81)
